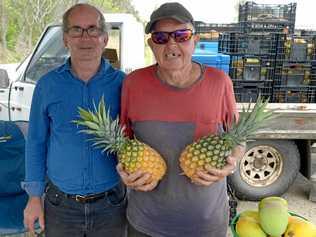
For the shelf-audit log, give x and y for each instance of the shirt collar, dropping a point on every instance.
(67, 66)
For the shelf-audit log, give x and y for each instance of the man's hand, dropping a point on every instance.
(139, 180)
(33, 212)
(211, 175)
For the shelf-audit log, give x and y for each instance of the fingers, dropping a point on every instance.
(204, 180)
(41, 221)
(210, 174)
(147, 187)
(29, 223)
(138, 180)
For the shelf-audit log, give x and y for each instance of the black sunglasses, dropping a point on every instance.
(77, 31)
(179, 36)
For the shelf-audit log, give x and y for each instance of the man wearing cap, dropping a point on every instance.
(168, 105)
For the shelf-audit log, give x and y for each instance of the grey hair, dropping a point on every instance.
(66, 15)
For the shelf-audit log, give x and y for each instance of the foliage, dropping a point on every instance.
(22, 22)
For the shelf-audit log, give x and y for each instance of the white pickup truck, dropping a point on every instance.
(273, 158)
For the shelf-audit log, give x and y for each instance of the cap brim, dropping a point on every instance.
(150, 24)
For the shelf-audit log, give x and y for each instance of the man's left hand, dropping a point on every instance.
(211, 175)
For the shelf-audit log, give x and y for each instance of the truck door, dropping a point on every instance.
(49, 53)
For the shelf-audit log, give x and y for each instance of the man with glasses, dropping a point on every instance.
(83, 195)
(169, 105)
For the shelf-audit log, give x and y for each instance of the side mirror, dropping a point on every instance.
(4, 78)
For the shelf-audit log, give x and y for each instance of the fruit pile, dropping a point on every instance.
(272, 219)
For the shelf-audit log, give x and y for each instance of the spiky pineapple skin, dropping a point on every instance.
(135, 155)
(210, 150)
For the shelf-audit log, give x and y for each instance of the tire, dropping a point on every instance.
(268, 168)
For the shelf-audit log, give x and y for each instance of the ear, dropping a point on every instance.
(65, 40)
(106, 40)
(196, 38)
(150, 43)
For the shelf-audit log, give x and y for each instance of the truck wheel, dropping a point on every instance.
(268, 168)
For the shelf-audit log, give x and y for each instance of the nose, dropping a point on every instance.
(85, 34)
(171, 41)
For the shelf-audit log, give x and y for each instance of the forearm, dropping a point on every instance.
(36, 146)
(239, 151)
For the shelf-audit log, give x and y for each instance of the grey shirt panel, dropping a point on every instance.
(176, 207)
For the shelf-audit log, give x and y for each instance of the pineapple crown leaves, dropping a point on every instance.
(5, 138)
(250, 121)
(107, 133)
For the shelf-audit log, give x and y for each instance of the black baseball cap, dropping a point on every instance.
(173, 10)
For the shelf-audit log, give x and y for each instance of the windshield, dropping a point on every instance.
(50, 54)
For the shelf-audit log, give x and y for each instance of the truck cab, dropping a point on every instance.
(125, 50)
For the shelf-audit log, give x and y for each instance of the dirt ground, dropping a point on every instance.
(297, 197)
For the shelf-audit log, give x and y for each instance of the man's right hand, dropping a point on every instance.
(139, 180)
(33, 212)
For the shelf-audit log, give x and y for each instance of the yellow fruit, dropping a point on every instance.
(298, 227)
(109, 136)
(250, 213)
(248, 226)
(273, 215)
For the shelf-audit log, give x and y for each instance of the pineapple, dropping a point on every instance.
(213, 149)
(5, 138)
(109, 136)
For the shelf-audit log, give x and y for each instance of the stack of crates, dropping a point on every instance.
(295, 73)
(252, 61)
(259, 52)
(255, 17)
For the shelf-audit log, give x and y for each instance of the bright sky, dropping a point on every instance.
(226, 11)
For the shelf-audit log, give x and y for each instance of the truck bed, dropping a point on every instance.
(295, 121)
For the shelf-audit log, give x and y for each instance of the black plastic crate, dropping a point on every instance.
(267, 16)
(295, 74)
(230, 43)
(302, 94)
(249, 91)
(300, 48)
(260, 43)
(276, 27)
(251, 68)
(202, 27)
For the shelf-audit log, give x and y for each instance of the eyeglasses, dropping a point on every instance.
(179, 36)
(77, 31)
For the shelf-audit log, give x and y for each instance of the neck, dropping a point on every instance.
(85, 70)
(180, 78)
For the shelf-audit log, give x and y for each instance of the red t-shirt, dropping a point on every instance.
(168, 119)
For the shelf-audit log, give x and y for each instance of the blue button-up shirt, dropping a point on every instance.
(54, 146)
